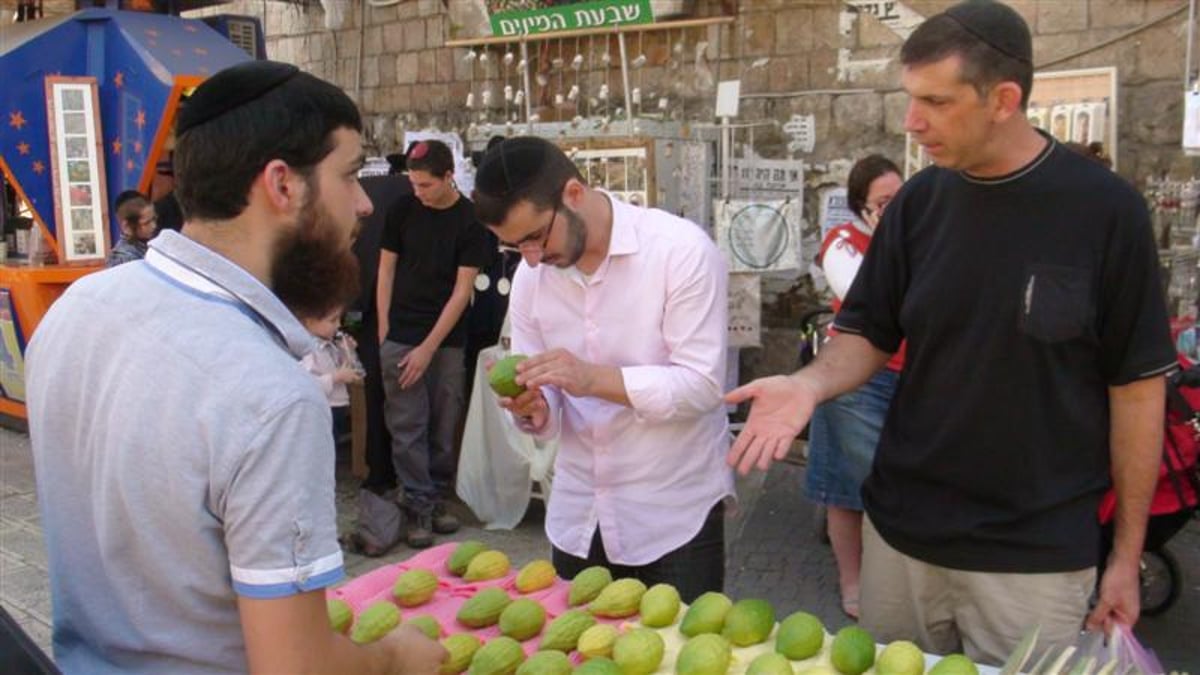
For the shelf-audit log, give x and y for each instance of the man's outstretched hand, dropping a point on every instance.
(780, 406)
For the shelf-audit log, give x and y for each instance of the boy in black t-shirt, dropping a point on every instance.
(1025, 281)
(431, 251)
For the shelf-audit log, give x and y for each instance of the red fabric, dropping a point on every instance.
(847, 234)
(1180, 457)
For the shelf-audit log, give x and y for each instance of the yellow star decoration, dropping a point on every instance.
(116, 146)
(22, 148)
(119, 79)
(38, 167)
(16, 120)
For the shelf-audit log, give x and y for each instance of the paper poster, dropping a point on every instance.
(464, 172)
(745, 310)
(1191, 122)
(758, 236)
(12, 364)
(835, 210)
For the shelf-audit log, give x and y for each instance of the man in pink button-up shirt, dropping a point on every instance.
(622, 311)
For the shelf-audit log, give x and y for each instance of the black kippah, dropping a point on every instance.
(997, 25)
(510, 166)
(232, 87)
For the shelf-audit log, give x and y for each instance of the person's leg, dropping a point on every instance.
(696, 567)
(845, 535)
(381, 472)
(567, 565)
(407, 415)
(997, 609)
(904, 598)
(445, 383)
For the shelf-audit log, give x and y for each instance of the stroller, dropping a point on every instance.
(1176, 498)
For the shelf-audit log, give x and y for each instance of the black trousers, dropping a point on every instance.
(694, 568)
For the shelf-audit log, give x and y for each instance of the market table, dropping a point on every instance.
(452, 592)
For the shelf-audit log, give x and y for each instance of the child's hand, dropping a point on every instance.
(346, 375)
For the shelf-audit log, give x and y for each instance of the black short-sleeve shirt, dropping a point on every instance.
(1023, 298)
(431, 245)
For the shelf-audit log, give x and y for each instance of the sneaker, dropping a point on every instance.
(444, 522)
(420, 532)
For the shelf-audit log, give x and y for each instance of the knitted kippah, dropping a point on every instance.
(997, 25)
(230, 88)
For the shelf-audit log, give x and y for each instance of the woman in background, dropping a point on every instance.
(844, 431)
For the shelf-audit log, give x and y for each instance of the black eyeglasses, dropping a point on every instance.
(534, 241)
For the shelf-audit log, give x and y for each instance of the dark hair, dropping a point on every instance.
(432, 157)
(126, 196)
(340, 293)
(217, 161)
(525, 168)
(983, 66)
(129, 209)
(864, 172)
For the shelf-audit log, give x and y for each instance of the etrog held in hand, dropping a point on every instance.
(503, 376)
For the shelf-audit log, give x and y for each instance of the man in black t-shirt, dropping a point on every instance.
(1025, 280)
(431, 251)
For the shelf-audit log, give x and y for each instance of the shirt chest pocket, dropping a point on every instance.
(1057, 303)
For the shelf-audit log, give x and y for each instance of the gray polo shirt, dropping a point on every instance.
(183, 458)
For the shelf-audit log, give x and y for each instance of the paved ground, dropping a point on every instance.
(774, 553)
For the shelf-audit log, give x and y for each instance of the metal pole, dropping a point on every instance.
(625, 80)
(525, 86)
(1187, 66)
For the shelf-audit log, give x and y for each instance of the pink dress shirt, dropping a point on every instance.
(647, 475)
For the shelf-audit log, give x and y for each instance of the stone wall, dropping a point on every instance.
(794, 57)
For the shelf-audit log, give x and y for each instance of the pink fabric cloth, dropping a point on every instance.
(452, 592)
(646, 474)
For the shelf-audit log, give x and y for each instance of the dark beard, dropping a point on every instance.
(313, 272)
(576, 240)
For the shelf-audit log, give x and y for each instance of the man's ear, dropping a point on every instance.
(1006, 100)
(573, 193)
(282, 187)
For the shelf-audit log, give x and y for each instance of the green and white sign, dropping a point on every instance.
(594, 14)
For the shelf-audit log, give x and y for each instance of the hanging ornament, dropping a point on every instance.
(593, 102)
(559, 100)
(521, 64)
(535, 118)
(577, 62)
(482, 282)
(487, 97)
(520, 97)
(472, 128)
(508, 93)
(508, 58)
(573, 94)
(504, 286)
(470, 100)
(577, 120)
(662, 103)
(470, 55)
(542, 80)
(639, 61)
(556, 63)
(605, 58)
(483, 57)
(636, 96)
(603, 93)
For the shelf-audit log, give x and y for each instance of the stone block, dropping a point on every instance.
(871, 32)
(380, 16)
(825, 33)
(426, 66)
(373, 40)
(1115, 13)
(793, 31)
(787, 73)
(407, 10)
(1061, 16)
(858, 115)
(464, 68)
(1161, 51)
(822, 69)
(370, 71)
(393, 38)
(884, 75)
(368, 100)
(428, 7)
(895, 107)
(1123, 54)
(406, 68)
(387, 70)
(444, 64)
(1154, 111)
(758, 33)
(435, 31)
(402, 99)
(819, 106)
(414, 36)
